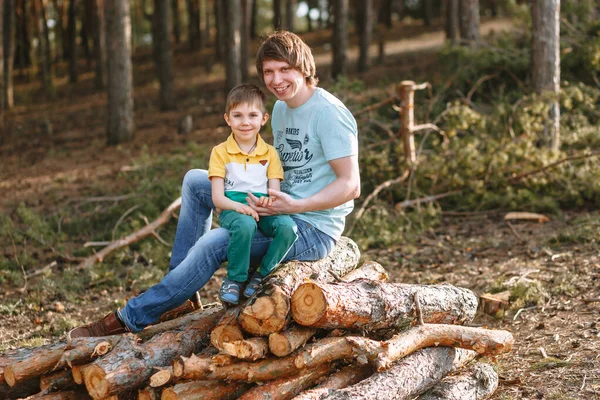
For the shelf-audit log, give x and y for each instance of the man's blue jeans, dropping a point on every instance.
(199, 251)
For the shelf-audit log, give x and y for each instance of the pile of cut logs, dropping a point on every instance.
(314, 330)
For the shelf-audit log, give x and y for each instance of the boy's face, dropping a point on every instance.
(245, 121)
(285, 82)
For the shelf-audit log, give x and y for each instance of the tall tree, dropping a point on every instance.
(340, 38)
(451, 22)
(545, 63)
(245, 36)
(99, 34)
(234, 44)
(253, 33)
(221, 27)
(469, 21)
(365, 8)
(163, 52)
(2, 69)
(290, 14)
(176, 21)
(205, 5)
(8, 44)
(120, 124)
(194, 37)
(277, 14)
(385, 13)
(85, 32)
(43, 35)
(72, 30)
(427, 11)
(23, 43)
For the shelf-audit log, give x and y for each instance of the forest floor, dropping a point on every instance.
(53, 150)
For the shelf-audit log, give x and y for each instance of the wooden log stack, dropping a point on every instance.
(321, 330)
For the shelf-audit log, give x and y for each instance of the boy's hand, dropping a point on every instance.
(266, 201)
(282, 203)
(247, 210)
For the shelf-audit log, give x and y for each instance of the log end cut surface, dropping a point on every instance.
(308, 304)
(95, 382)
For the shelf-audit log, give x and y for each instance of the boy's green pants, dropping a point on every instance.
(242, 228)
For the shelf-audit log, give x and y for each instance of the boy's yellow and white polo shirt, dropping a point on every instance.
(244, 172)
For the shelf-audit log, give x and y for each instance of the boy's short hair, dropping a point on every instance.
(246, 93)
(289, 47)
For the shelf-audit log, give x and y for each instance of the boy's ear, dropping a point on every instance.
(227, 119)
(265, 118)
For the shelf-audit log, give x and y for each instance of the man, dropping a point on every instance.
(316, 138)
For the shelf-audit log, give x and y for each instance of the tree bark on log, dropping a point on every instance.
(213, 390)
(478, 383)
(38, 362)
(347, 376)
(22, 389)
(409, 378)
(84, 350)
(285, 342)
(131, 364)
(149, 393)
(56, 381)
(383, 354)
(369, 270)
(267, 311)
(64, 395)
(286, 388)
(227, 329)
(373, 305)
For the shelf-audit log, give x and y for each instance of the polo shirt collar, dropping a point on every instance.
(233, 148)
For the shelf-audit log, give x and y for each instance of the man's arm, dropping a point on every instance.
(345, 187)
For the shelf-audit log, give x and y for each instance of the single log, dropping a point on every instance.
(347, 376)
(37, 362)
(409, 378)
(162, 377)
(213, 390)
(369, 270)
(55, 381)
(383, 354)
(286, 388)
(248, 349)
(63, 395)
(372, 305)
(478, 383)
(149, 393)
(22, 389)
(267, 311)
(130, 364)
(285, 342)
(227, 329)
(83, 350)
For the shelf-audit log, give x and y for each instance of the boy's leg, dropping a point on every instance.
(284, 232)
(242, 229)
(195, 215)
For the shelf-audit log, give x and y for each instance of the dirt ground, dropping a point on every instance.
(59, 143)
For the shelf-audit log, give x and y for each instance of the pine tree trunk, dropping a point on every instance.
(2, 81)
(427, 12)
(366, 34)
(72, 41)
(194, 38)
(451, 22)
(120, 124)
(8, 39)
(253, 17)
(205, 5)
(163, 53)
(469, 21)
(234, 44)
(385, 13)
(245, 37)
(340, 38)
(45, 63)
(545, 63)
(290, 14)
(99, 34)
(277, 20)
(221, 27)
(23, 43)
(176, 21)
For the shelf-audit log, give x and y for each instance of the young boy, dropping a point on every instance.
(246, 164)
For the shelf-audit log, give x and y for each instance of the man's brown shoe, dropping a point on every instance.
(109, 325)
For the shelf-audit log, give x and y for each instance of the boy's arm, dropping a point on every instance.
(222, 202)
(345, 187)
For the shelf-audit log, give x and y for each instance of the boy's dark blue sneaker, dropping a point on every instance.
(253, 284)
(230, 291)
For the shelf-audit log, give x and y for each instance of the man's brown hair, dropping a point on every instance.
(287, 46)
(246, 94)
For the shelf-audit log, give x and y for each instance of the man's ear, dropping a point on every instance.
(265, 119)
(227, 119)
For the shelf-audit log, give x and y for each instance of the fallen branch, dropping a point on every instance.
(552, 165)
(134, 237)
(478, 383)
(347, 376)
(213, 390)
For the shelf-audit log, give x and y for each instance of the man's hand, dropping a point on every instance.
(244, 209)
(278, 203)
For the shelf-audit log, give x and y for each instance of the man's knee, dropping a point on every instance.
(195, 178)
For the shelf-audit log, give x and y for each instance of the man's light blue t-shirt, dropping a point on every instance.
(307, 138)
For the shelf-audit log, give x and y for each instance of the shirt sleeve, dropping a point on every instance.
(216, 164)
(337, 131)
(274, 170)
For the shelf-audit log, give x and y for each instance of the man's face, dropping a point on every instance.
(285, 82)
